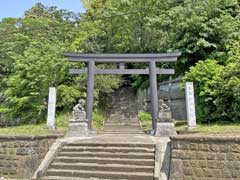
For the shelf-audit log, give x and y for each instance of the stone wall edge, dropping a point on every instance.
(205, 138)
(33, 137)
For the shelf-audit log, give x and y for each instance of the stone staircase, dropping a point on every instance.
(123, 161)
(121, 113)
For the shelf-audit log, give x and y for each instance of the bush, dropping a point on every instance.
(217, 87)
(66, 96)
(228, 91)
(145, 119)
(205, 76)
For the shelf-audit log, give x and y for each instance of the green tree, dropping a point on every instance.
(228, 91)
(41, 66)
(205, 76)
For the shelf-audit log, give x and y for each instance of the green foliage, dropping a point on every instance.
(199, 29)
(31, 61)
(228, 99)
(40, 67)
(205, 76)
(66, 96)
(217, 87)
(145, 119)
(144, 116)
(98, 119)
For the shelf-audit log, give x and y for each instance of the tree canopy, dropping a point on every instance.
(206, 32)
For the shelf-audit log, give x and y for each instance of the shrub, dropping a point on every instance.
(205, 76)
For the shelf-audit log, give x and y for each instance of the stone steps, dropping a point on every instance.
(100, 174)
(150, 146)
(104, 160)
(122, 132)
(106, 149)
(121, 113)
(101, 161)
(68, 178)
(121, 128)
(108, 154)
(102, 167)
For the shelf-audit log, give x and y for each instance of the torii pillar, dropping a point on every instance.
(153, 92)
(90, 89)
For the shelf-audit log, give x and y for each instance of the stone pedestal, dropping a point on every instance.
(165, 124)
(165, 129)
(79, 128)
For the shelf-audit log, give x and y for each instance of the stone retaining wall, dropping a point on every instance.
(198, 157)
(21, 155)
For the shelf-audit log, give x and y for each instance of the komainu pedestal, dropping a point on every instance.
(78, 126)
(165, 123)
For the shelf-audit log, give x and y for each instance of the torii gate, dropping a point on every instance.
(121, 59)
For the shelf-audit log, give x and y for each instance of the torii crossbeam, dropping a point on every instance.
(121, 59)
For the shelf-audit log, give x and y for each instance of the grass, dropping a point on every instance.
(61, 126)
(145, 119)
(217, 128)
(98, 117)
(181, 126)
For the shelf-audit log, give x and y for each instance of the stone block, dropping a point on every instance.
(221, 156)
(193, 146)
(203, 147)
(226, 173)
(220, 165)
(224, 148)
(198, 172)
(192, 154)
(194, 163)
(236, 165)
(211, 156)
(165, 129)
(214, 147)
(235, 174)
(235, 148)
(202, 163)
(208, 173)
(212, 164)
(186, 163)
(201, 155)
(79, 129)
(187, 171)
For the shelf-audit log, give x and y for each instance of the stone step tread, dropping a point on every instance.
(118, 128)
(126, 130)
(71, 178)
(104, 158)
(102, 148)
(107, 154)
(122, 132)
(127, 166)
(73, 173)
(102, 144)
(121, 124)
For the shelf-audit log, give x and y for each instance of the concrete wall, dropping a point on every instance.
(21, 155)
(176, 96)
(205, 157)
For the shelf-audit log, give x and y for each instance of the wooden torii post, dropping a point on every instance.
(121, 59)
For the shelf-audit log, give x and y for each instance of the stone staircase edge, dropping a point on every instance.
(49, 157)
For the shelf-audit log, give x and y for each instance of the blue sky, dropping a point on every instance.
(16, 8)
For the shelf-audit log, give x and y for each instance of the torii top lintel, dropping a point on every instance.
(128, 58)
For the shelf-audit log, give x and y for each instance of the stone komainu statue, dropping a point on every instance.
(164, 112)
(79, 112)
(162, 106)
